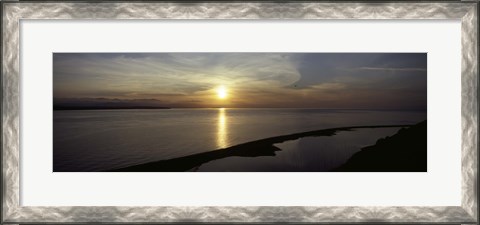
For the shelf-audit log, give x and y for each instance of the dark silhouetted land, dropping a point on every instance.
(105, 107)
(263, 147)
(105, 103)
(406, 151)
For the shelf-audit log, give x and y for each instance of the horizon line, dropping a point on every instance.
(220, 107)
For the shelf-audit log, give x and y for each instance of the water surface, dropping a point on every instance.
(309, 154)
(95, 140)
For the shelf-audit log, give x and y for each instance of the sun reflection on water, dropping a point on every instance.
(222, 141)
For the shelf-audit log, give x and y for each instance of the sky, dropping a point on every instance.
(245, 80)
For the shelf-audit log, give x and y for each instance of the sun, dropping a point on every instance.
(222, 92)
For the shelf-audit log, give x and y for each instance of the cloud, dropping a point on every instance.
(252, 79)
(392, 69)
(185, 73)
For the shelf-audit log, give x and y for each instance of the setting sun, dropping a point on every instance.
(222, 92)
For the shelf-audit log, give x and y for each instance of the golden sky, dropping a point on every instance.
(285, 80)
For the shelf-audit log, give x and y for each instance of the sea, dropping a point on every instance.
(99, 140)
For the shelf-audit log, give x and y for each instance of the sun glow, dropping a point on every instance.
(222, 92)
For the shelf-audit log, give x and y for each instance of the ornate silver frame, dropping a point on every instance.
(14, 12)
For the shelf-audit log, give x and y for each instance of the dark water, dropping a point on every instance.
(309, 154)
(94, 140)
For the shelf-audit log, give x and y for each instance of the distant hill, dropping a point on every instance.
(105, 103)
(406, 151)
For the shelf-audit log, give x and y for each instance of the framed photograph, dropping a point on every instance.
(312, 112)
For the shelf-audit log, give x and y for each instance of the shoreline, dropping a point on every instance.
(261, 147)
(405, 151)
